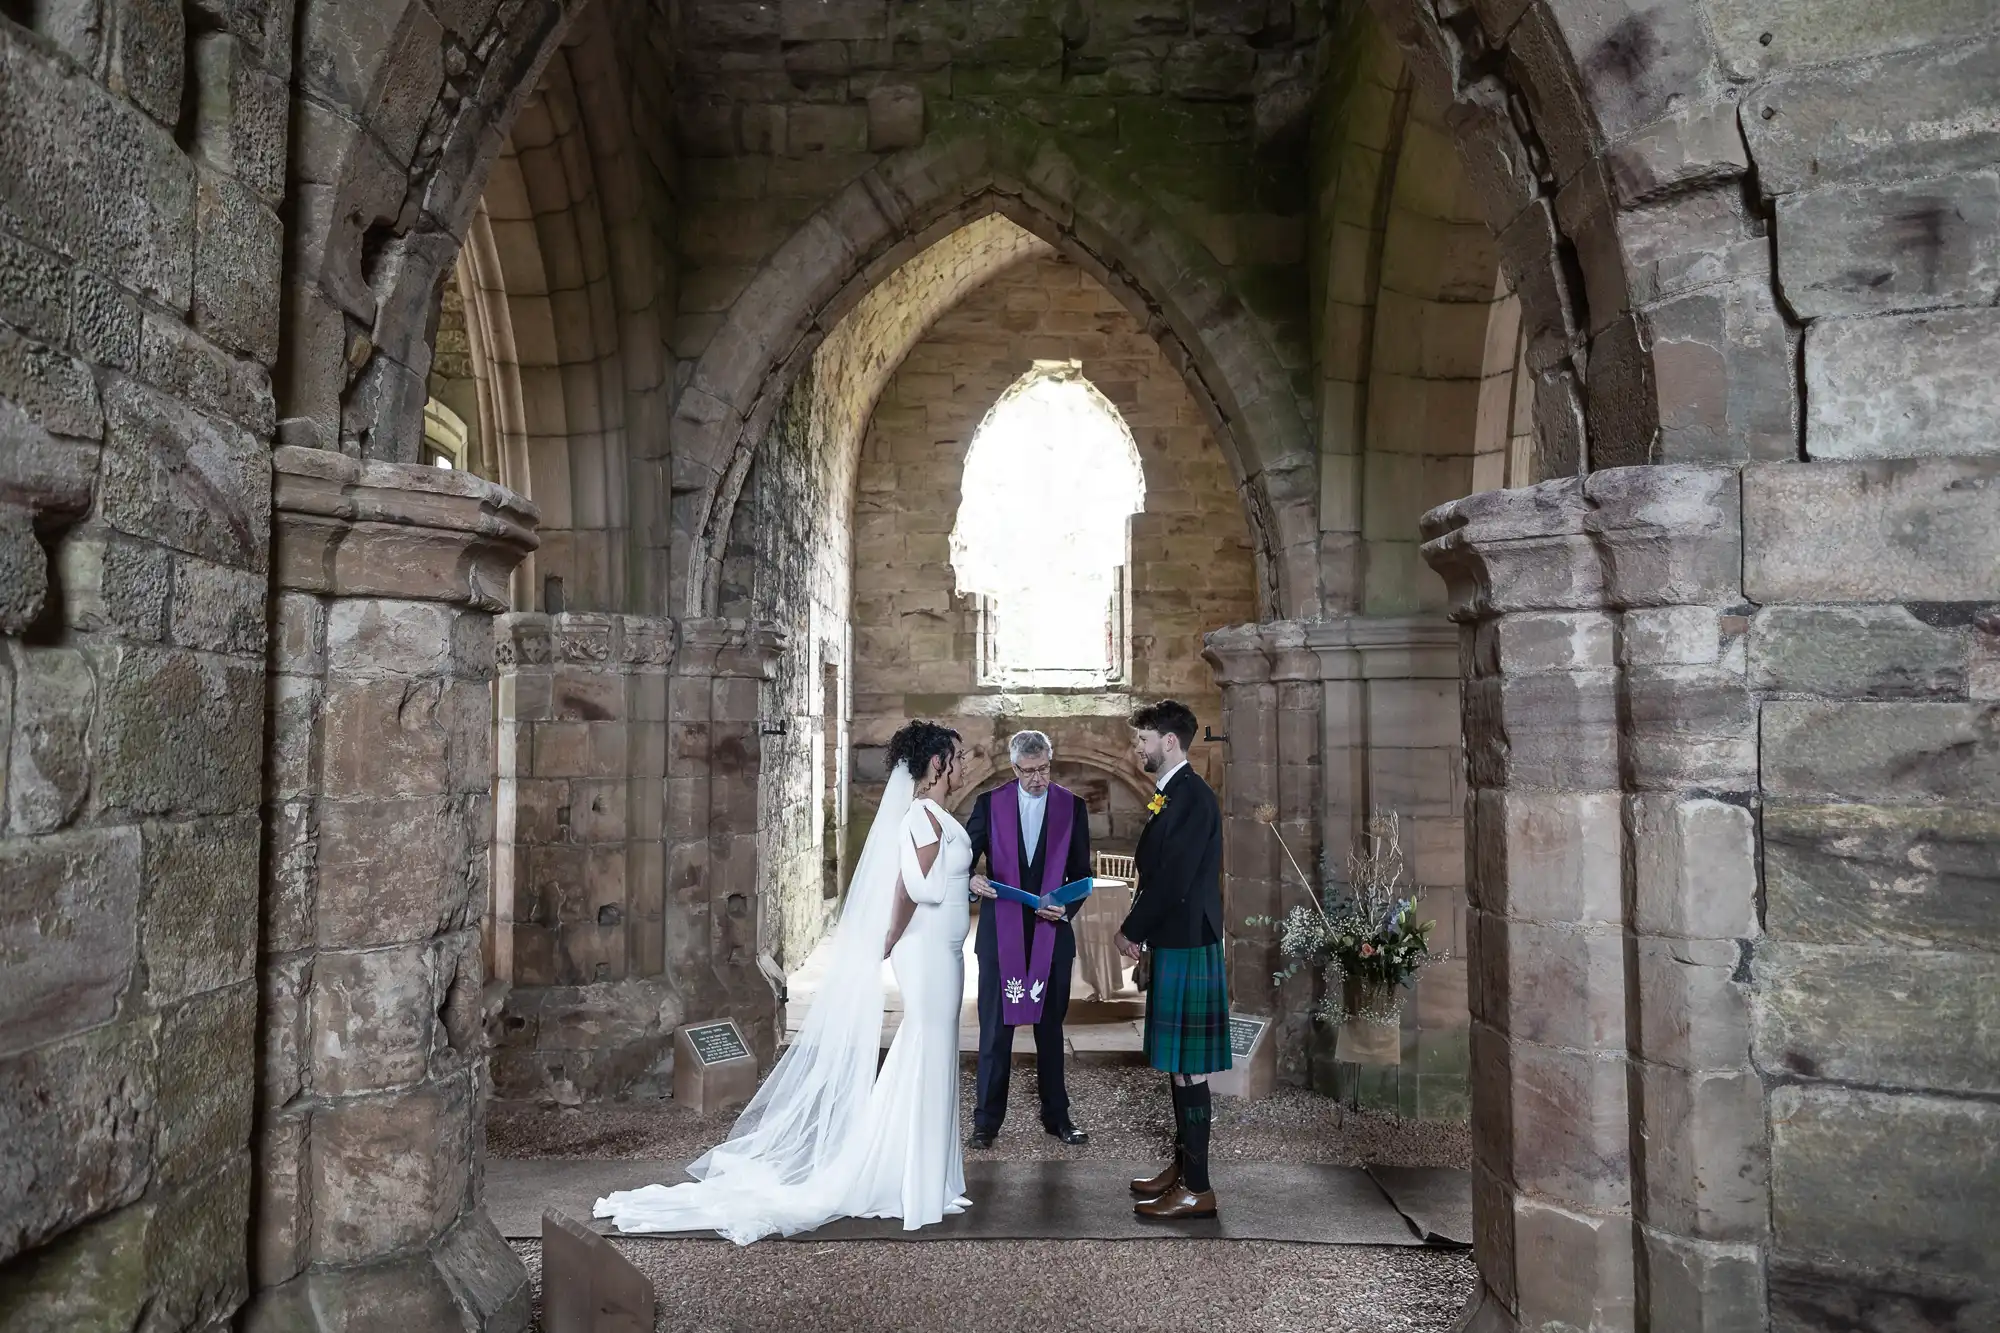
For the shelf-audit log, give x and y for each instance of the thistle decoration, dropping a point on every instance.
(1369, 944)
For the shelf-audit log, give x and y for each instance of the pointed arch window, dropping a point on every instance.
(1042, 541)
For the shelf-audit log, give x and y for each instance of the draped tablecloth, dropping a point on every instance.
(1096, 926)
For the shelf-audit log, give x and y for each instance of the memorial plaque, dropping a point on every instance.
(714, 1067)
(1253, 1060)
(715, 1042)
(587, 1286)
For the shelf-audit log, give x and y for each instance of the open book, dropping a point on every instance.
(1074, 891)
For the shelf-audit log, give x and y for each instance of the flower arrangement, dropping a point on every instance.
(1369, 944)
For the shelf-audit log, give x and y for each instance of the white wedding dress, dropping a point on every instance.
(826, 1136)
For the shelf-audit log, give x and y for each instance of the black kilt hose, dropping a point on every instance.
(1178, 917)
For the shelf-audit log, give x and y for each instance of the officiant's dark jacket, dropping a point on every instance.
(1179, 864)
(979, 829)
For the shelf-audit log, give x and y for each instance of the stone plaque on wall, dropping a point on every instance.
(1253, 1060)
(714, 1067)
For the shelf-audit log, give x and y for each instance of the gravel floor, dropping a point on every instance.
(1124, 1108)
(1045, 1286)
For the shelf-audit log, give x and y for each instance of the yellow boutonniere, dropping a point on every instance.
(1157, 804)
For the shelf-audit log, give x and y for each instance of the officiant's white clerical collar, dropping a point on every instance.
(1168, 776)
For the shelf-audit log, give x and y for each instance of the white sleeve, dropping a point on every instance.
(918, 833)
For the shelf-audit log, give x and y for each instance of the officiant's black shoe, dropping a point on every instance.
(1069, 1134)
(1178, 1204)
(983, 1138)
(1152, 1187)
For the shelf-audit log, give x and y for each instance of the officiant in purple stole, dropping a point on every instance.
(1036, 837)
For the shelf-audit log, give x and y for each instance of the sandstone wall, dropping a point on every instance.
(142, 161)
(915, 637)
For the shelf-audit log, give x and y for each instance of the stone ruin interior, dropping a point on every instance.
(481, 480)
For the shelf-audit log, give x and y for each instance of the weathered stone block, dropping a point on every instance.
(1702, 1286)
(114, 584)
(79, 1119)
(1549, 985)
(92, 1278)
(1925, 1164)
(1907, 531)
(1547, 856)
(389, 1172)
(1553, 732)
(49, 761)
(895, 118)
(485, 1275)
(390, 871)
(196, 1264)
(176, 359)
(371, 1018)
(150, 38)
(813, 128)
(1867, 249)
(1694, 867)
(588, 1286)
(1902, 386)
(34, 290)
(238, 252)
(177, 732)
(93, 176)
(218, 609)
(1918, 752)
(1573, 1268)
(199, 925)
(241, 115)
(1908, 113)
(1811, 1297)
(1705, 1170)
(1694, 1013)
(1571, 1125)
(207, 1080)
(1889, 1018)
(831, 20)
(384, 738)
(55, 390)
(1858, 651)
(185, 480)
(1689, 727)
(103, 322)
(67, 932)
(1886, 876)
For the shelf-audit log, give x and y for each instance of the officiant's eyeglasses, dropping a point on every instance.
(1038, 771)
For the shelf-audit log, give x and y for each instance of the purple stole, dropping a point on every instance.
(1024, 978)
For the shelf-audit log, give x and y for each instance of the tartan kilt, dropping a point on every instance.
(1187, 1011)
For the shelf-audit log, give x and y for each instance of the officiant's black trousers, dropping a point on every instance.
(996, 1039)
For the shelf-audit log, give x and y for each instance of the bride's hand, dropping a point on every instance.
(984, 887)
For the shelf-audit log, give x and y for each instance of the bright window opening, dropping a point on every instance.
(1052, 480)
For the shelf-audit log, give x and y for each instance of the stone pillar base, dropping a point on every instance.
(470, 1279)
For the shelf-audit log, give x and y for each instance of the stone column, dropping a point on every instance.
(579, 864)
(374, 1083)
(714, 706)
(1391, 737)
(1620, 1174)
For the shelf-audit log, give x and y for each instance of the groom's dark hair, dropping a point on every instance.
(917, 744)
(1169, 717)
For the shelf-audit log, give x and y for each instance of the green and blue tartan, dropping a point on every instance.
(1187, 1011)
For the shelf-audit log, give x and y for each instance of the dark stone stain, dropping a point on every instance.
(1946, 615)
(1921, 228)
(1741, 976)
(609, 915)
(574, 705)
(1803, 1065)
(1626, 51)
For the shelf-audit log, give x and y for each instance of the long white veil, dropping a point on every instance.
(789, 1159)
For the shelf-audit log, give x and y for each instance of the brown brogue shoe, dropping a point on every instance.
(1178, 1204)
(1152, 1187)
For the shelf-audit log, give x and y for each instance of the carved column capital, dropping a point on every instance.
(349, 528)
(1238, 654)
(711, 646)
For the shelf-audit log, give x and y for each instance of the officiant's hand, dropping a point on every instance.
(1126, 947)
(984, 887)
(1050, 913)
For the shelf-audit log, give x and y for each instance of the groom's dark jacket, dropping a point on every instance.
(979, 829)
(1179, 864)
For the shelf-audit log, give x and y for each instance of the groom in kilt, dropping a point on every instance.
(1177, 917)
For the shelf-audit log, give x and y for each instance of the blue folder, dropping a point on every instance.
(1074, 891)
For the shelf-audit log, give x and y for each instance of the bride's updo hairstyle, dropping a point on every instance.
(917, 744)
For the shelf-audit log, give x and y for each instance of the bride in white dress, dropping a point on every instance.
(826, 1136)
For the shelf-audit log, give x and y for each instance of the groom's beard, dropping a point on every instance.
(1150, 762)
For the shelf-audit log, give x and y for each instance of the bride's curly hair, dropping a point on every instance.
(918, 743)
